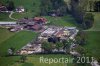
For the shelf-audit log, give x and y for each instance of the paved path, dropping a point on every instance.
(10, 15)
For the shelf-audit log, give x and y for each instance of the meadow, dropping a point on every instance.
(93, 43)
(34, 60)
(18, 40)
(67, 20)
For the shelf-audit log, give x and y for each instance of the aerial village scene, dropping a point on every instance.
(49, 32)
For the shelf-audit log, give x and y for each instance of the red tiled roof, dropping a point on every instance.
(39, 18)
(36, 27)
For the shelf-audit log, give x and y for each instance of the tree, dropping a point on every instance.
(11, 51)
(59, 45)
(47, 47)
(23, 58)
(80, 38)
(53, 39)
(78, 8)
(88, 21)
(67, 44)
(10, 5)
(80, 50)
(46, 6)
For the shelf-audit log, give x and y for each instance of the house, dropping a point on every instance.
(16, 28)
(20, 9)
(40, 20)
(25, 21)
(8, 23)
(2, 8)
(62, 33)
(36, 27)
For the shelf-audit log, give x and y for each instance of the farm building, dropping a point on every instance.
(35, 23)
(8, 23)
(32, 21)
(58, 32)
(40, 20)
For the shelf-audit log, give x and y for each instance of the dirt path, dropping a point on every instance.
(10, 15)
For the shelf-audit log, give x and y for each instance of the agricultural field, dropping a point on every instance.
(18, 40)
(5, 34)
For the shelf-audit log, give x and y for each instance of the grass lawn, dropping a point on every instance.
(62, 21)
(5, 34)
(34, 60)
(17, 41)
(27, 4)
(4, 17)
(93, 34)
(22, 15)
(8, 61)
(93, 45)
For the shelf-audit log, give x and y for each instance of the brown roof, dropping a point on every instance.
(36, 27)
(39, 18)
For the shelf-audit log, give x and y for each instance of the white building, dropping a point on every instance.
(8, 23)
(20, 9)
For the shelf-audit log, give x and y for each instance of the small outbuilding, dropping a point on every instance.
(20, 9)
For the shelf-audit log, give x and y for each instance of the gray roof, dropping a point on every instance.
(3, 23)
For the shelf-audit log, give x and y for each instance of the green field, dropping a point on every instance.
(22, 15)
(5, 34)
(18, 40)
(93, 40)
(34, 60)
(62, 21)
(93, 43)
(4, 17)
